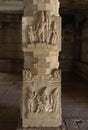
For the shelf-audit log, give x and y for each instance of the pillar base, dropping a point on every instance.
(39, 128)
(42, 128)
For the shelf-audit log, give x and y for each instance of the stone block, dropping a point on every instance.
(52, 58)
(35, 1)
(31, 59)
(54, 65)
(41, 128)
(27, 1)
(42, 7)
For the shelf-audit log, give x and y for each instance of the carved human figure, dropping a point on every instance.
(56, 75)
(31, 34)
(41, 29)
(40, 105)
(46, 99)
(32, 102)
(50, 100)
(27, 74)
(48, 106)
(54, 99)
(53, 36)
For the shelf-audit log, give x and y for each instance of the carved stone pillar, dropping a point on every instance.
(41, 38)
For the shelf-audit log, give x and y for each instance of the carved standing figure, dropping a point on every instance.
(54, 99)
(41, 29)
(32, 102)
(53, 36)
(46, 99)
(40, 104)
(31, 34)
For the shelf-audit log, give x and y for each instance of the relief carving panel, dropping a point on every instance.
(42, 94)
(43, 30)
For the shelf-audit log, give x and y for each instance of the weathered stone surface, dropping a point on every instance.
(41, 38)
(41, 5)
(42, 128)
(46, 30)
(41, 96)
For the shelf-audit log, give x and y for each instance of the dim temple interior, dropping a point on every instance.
(73, 63)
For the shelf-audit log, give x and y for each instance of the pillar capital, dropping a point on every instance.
(32, 6)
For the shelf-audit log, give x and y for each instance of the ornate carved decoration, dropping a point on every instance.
(44, 31)
(56, 75)
(27, 74)
(53, 35)
(41, 101)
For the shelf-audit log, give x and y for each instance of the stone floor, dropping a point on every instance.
(74, 102)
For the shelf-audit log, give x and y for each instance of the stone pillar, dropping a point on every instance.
(41, 38)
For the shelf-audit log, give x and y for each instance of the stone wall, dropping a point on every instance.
(81, 65)
(68, 40)
(10, 43)
(84, 42)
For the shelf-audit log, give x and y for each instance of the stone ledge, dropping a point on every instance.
(11, 6)
(39, 128)
(42, 128)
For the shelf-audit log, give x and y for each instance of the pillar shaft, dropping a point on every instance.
(41, 38)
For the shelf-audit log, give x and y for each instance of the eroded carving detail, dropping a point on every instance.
(27, 74)
(42, 101)
(53, 36)
(45, 31)
(41, 28)
(30, 33)
(32, 102)
(56, 75)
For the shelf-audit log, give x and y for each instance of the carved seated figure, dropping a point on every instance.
(27, 74)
